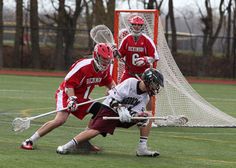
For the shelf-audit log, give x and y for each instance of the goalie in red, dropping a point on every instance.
(137, 49)
(126, 100)
(83, 76)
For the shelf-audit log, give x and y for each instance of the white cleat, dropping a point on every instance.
(143, 151)
(61, 150)
(154, 125)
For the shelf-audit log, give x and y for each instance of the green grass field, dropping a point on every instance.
(179, 147)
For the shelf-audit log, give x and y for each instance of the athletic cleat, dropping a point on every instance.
(86, 147)
(143, 151)
(27, 145)
(61, 150)
(93, 148)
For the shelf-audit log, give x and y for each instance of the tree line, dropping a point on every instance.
(65, 19)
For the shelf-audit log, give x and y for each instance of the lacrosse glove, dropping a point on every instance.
(124, 114)
(72, 104)
(143, 61)
(144, 122)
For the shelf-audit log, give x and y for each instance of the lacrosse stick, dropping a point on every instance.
(174, 120)
(102, 34)
(21, 124)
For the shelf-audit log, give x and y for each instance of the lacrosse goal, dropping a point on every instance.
(177, 97)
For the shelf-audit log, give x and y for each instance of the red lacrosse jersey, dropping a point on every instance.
(83, 78)
(131, 50)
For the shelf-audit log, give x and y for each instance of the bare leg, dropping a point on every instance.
(59, 120)
(144, 131)
(86, 135)
(142, 149)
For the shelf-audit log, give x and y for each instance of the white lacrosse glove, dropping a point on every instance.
(124, 114)
(72, 104)
(143, 61)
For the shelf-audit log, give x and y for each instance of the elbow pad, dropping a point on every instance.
(114, 104)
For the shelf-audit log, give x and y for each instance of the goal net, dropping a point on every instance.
(177, 97)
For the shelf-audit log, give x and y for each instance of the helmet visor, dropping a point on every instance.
(103, 63)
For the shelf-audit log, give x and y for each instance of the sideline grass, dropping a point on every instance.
(179, 147)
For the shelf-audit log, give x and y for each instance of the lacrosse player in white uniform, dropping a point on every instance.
(128, 99)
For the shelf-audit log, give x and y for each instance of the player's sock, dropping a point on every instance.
(71, 144)
(34, 137)
(143, 140)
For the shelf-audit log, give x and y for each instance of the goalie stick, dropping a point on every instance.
(21, 124)
(102, 34)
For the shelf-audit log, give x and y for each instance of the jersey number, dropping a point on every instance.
(87, 92)
(134, 58)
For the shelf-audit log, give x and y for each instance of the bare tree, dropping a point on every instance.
(66, 20)
(1, 34)
(153, 4)
(104, 12)
(210, 33)
(89, 5)
(58, 59)
(34, 27)
(70, 21)
(234, 41)
(228, 40)
(18, 46)
(173, 28)
(188, 15)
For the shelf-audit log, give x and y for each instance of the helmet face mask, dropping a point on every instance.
(153, 88)
(103, 56)
(136, 25)
(152, 80)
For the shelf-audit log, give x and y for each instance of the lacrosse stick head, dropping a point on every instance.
(102, 34)
(173, 120)
(20, 124)
(123, 33)
(103, 56)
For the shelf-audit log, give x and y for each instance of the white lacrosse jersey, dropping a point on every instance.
(126, 93)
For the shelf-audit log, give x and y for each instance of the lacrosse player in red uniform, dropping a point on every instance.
(137, 49)
(126, 100)
(83, 76)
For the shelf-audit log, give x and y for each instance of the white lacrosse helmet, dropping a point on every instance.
(103, 56)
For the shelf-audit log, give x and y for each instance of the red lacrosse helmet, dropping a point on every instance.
(103, 56)
(136, 24)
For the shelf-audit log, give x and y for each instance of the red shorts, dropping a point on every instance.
(61, 102)
(107, 126)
